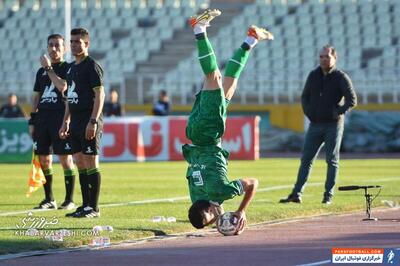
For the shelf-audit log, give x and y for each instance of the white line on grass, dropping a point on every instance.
(140, 202)
(177, 198)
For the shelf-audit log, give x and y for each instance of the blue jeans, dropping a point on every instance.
(318, 134)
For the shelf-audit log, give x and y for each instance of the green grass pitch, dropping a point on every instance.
(131, 187)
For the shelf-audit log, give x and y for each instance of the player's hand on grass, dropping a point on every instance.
(241, 215)
(64, 131)
(90, 131)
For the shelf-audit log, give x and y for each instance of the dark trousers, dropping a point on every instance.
(318, 134)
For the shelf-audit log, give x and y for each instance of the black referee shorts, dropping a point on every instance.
(77, 132)
(45, 136)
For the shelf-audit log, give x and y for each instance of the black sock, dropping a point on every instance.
(94, 179)
(69, 178)
(200, 36)
(83, 180)
(48, 191)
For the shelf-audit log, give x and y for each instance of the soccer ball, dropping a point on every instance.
(228, 224)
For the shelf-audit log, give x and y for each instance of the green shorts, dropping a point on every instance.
(207, 174)
(206, 123)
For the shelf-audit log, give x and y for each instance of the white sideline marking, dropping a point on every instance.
(139, 202)
(316, 263)
(107, 205)
(182, 198)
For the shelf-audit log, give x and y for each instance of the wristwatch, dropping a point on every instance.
(93, 121)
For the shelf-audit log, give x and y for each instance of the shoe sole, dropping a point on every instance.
(204, 18)
(66, 208)
(260, 33)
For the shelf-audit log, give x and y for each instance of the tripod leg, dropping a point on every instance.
(368, 202)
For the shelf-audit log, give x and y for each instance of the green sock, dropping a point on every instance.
(236, 63)
(207, 58)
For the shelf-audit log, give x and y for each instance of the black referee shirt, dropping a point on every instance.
(82, 78)
(51, 98)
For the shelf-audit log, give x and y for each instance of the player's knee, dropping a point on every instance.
(196, 213)
(80, 164)
(45, 161)
(66, 161)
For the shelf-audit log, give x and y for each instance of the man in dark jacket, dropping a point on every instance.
(327, 96)
(112, 107)
(11, 109)
(162, 106)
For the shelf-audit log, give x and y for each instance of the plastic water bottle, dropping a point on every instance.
(103, 228)
(32, 232)
(100, 242)
(57, 238)
(171, 219)
(158, 219)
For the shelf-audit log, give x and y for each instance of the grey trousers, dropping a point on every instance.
(317, 135)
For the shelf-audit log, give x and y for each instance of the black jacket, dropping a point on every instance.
(323, 95)
(11, 111)
(112, 109)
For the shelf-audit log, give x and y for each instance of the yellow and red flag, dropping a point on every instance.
(36, 177)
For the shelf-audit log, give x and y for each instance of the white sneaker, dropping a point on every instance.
(204, 18)
(67, 205)
(259, 33)
(47, 205)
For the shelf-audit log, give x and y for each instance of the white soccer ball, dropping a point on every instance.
(228, 224)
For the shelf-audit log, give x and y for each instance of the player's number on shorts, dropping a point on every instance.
(197, 179)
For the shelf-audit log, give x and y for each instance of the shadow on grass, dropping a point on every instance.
(23, 245)
(154, 231)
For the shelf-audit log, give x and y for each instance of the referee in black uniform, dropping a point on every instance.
(48, 109)
(83, 120)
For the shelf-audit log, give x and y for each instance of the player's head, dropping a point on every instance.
(113, 95)
(80, 41)
(202, 213)
(327, 57)
(55, 47)
(163, 96)
(12, 99)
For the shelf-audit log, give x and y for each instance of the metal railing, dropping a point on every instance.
(252, 88)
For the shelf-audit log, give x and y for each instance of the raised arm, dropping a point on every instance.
(58, 82)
